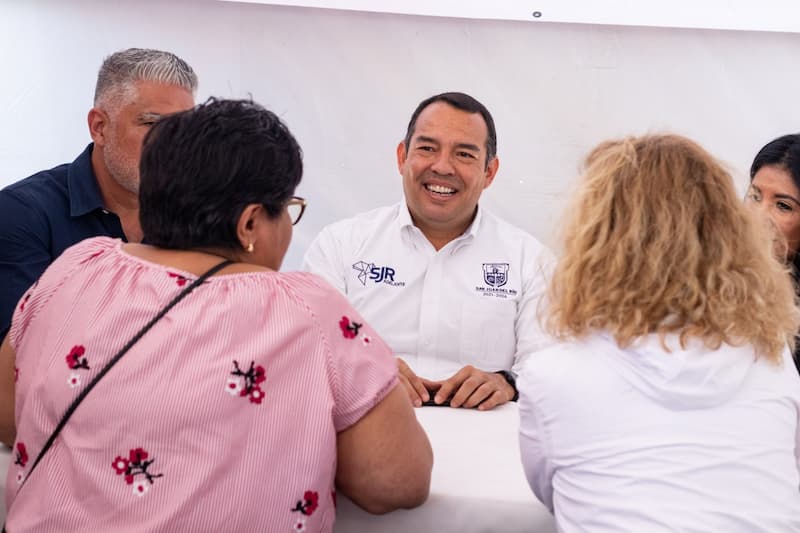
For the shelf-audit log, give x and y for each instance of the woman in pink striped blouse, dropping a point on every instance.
(241, 407)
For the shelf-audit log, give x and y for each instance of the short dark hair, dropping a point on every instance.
(464, 102)
(783, 152)
(200, 168)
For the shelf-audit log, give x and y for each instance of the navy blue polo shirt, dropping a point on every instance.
(40, 217)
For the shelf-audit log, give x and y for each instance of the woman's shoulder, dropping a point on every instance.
(75, 258)
(89, 248)
(567, 368)
(311, 286)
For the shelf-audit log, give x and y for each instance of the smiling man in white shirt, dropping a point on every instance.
(452, 289)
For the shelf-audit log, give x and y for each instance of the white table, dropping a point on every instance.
(477, 485)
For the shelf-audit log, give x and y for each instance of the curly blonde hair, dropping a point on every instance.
(658, 242)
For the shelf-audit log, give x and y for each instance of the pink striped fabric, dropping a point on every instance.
(222, 418)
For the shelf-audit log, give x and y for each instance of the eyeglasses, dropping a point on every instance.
(296, 206)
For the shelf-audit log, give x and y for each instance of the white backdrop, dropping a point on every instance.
(769, 15)
(347, 81)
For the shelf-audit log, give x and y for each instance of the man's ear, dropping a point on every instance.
(491, 171)
(98, 121)
(401, 156)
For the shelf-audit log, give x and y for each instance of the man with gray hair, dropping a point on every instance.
(98, 193)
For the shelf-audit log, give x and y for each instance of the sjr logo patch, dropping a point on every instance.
(377, 274)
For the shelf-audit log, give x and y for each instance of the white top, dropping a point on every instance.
(643, 440)
(473, 302)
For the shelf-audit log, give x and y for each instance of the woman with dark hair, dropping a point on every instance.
(248, 393)
(775, 189)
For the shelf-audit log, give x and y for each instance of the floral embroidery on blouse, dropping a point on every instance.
(134, 466)
(75, 358)
(22, 461)
(247, 383)
(76, 361)
(308, 504)
(349, 328)
(305, 507)
(22, 455)
(299, 523)
(180, 280)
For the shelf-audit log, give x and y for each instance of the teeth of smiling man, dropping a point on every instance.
(441, 189)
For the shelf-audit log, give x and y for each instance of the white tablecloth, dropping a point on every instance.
(477, 485)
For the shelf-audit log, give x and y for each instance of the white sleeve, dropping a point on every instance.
(324, 258)
(797, 444)
(534, 445)
(530, 334)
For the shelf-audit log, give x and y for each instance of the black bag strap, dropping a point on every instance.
(78, 399)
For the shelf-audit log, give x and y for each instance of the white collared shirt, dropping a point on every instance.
(474, 302)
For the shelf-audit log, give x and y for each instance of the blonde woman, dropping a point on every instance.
(672, 402)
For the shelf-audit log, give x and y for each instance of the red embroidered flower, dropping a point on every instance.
(120, 464)
(256, 394)
(312, 502)
(75, 358)
(308, 504)
(349, 329)
(246, 384)
(180, 280)
(136, 465)
(22, 455)
(138, 455)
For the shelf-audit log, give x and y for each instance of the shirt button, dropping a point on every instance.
(105, 212)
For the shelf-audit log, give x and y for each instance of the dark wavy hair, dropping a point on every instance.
(464, 102)
(200, 169)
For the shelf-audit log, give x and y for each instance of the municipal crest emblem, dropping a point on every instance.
(495, 274)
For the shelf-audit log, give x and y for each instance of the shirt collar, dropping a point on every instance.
(84, 194)
(407, 225)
